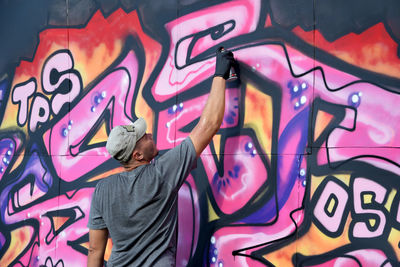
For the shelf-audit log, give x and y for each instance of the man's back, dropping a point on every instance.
(139, 208)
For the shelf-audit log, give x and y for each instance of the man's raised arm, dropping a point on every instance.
(213, 113)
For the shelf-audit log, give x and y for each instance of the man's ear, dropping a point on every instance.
(137, 155)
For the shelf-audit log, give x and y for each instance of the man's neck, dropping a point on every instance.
(133, 165)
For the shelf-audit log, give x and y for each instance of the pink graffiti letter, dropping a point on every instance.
(40, 112)
(362, 186)
(331, 220)
(21, 93)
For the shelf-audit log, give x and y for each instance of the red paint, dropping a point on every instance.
(99, 31)
(356, 47)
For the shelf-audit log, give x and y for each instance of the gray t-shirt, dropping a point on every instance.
(139, 209)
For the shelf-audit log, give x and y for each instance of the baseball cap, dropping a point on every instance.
(122, 139)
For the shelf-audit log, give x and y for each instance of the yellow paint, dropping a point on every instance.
(217, 145)
(85, 245)
(258, 116)
(11, 117)
(331, 205)
(390, 199)
(393, 239)
(100, 136)
(212, 216)
(372, 222)
(367, 198)
(322, 121)
(19, 240)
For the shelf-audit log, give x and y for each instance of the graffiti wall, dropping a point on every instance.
(305, 170)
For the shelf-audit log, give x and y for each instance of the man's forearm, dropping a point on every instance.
(211, 117)
(214, 109)
(97, 247)
(95, 259)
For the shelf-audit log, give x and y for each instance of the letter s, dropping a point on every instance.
(360, 228)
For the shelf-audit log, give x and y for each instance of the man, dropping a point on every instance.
(138, 208)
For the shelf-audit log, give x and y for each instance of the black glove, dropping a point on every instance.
(224, 62)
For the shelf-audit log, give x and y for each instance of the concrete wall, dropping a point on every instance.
(304, 171)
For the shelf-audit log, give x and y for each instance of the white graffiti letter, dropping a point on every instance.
(40, 112)
(362, 185)
(21, 93)
(330, 206)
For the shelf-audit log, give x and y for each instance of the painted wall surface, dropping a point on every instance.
(305, 170)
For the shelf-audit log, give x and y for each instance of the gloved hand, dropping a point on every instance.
(224, 62)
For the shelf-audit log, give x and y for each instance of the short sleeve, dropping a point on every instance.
(175, 165)
(96, 220)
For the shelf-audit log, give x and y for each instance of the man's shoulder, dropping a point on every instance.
(187, 142)
(107, 181)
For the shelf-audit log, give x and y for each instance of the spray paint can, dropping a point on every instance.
(232, 74)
